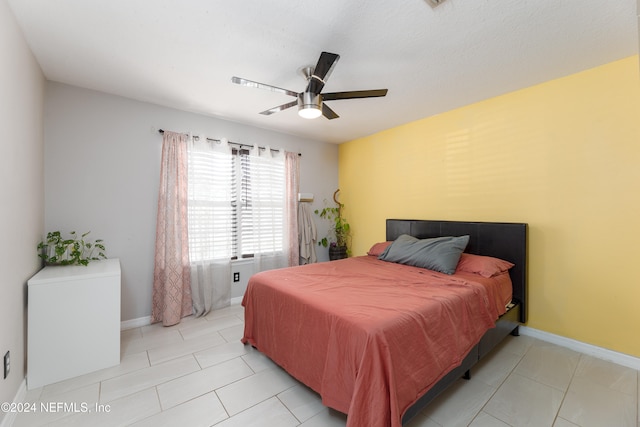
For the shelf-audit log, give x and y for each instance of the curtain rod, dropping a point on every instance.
(196, 137)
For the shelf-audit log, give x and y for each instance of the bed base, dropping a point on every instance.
(506, 325)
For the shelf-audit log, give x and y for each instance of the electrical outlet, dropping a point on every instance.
(7, 364)
(236, 276)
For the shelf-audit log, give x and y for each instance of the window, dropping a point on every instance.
(236, 203)
(261, 207)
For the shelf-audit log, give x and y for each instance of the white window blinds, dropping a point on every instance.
(262, 210)
(236, 202)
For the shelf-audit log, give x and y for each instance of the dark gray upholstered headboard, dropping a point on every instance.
(506, 241)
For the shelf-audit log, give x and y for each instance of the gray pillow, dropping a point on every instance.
(440, 253)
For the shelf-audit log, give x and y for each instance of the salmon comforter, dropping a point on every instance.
(369, 336)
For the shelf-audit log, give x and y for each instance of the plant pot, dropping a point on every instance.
(337, 252)
(49, 251)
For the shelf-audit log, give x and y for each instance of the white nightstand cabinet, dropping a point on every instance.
(73, 321)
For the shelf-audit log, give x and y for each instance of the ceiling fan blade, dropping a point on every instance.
(328, 112)
(354, 94)
(250, 83)
(322, 71)
(279, 108)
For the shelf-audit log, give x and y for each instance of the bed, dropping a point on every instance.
(379, 340)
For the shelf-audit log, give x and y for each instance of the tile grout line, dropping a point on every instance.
(511, 372)
(223, 407)
(564, 395)
(277, 396)
(162, 409)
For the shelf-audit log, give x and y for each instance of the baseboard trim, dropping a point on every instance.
(144, 321)
(591, 350)
(10, 417)
(135, 323)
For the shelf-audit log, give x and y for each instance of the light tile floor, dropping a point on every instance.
(198, 373)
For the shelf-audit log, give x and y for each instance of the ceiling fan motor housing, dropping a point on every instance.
(309, 100)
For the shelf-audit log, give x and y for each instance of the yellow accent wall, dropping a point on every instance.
(562, 156)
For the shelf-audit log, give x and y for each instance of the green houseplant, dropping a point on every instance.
(339, 232)
(72, 251)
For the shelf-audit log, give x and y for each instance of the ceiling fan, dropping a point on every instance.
(310, 102)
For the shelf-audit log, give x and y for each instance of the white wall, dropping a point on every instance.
(244, 269)
(102, 167)
(21, 191)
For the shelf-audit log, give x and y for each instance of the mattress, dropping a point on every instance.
(369, 336)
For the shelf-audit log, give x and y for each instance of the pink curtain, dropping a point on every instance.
(171, 275)
(292, 172)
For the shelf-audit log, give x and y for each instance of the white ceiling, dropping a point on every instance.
(182, 54)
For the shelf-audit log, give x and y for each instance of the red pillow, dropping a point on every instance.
(378, 248)
(485, 266)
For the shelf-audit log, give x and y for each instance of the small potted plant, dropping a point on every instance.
(338, 237)
(73, 251)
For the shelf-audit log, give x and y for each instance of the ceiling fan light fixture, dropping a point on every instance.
(309, 105)
(310, 112)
